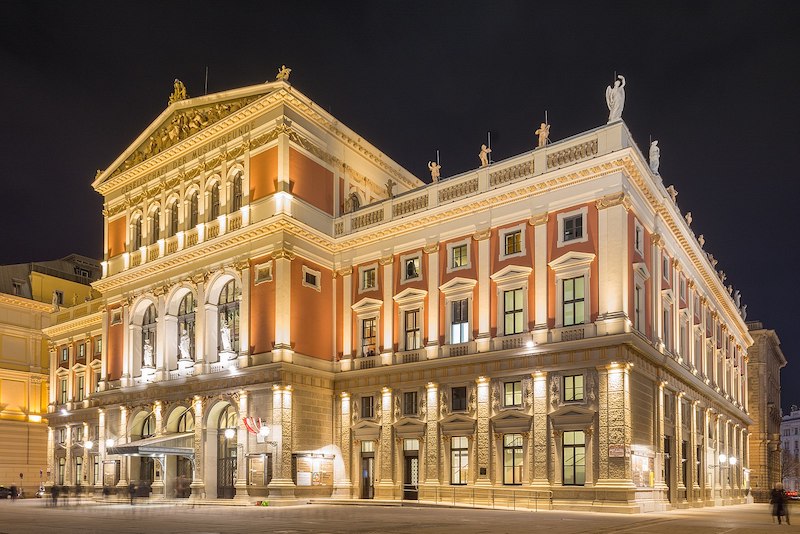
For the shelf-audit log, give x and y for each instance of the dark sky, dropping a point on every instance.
(716, 83)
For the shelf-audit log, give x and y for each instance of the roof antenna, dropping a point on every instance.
(206, 87)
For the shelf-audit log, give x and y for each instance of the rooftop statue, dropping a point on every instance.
(743, 311)
(688, 218)
(737, 298)
(702, 240)
(179, 93)
(390, 188)
(484, 155)
(673, 193)
(655, 156)
(283, 73)
(615, 99)
(435, 169)
(544, 134)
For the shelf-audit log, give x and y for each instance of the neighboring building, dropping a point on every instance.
(790, 437)
(764, 364)
(290, 313)
(28, 292)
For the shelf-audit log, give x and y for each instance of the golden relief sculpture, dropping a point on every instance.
(182, 125)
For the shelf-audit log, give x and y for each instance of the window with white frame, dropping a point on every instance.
(263, 273)
(62, 394)
(574, 457)
(458, 256)
(667, 324)
(573, 301)
(367, 407)
(459, 460)
(369, 278)
(638, 307)
(665, 266)
(412, 267)
(459, 321)
(368, 336)
(410, 403)
(573, 388)
(512, 242)
(82, 350)
(572, 273)
(312, 279)
(79, 393)
(683, 288)
(512, 312)
(98, 345)
(411, 322)
(512, 459)
(512, 393)
(572, 227)
(64, 354)
(638, 237)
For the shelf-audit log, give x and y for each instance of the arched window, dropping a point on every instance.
(213, 212)
(155, 226)
(149, 426)
(192, 211)
(228, 310)
(149, 336)
(136, 233)
(237, 192)
(173, 218)
(186, 311)
(186, 421)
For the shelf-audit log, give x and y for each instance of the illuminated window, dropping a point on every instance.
(574, 458)
(410, 403)
(369, 278)
(513, 242)
(513, 393)
(82, 350)
(98, 345)
(213, 211)
(459, 460)
(458, 256)
(368, 332)
(459, 328)
(64, 354)
(62, 395)
(512, 459)
(80, 389)
(573, 301)
(512, 312)
(237, 192)
(573, 388)
(413, 336)
(367, 407)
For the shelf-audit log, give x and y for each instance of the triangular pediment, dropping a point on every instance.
(512, 421)
(410, 294)
(458, 285)
(457, 424)
(512, 273)
(182, 120)
(367, 305)
(571, 260)
(407, 427)
(641, 269)
(366, 430)
(572, 416)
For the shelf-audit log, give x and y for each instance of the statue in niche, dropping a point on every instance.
(615, 99)
(435, 169)
(147, 351)
(655, 157)
(484, 155)
(184, 346)
(179, 92)
(283, 73)
(225, 336)
(55, 302)
(544, 134)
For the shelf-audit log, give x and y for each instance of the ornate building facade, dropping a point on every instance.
(31, 298)
(288, 312)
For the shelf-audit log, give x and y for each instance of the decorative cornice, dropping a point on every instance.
(87, 322)
(614, 199)
(29, 304)
(539, 219)
(283, 254)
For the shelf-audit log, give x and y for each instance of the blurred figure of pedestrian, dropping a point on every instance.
(14, 493)
(779, 502)
(132, 491)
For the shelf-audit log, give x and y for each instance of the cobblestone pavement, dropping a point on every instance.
(31, 515)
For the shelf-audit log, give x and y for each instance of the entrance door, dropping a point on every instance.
(146, 475)
(226, 470)
(668, 468)
(367, 477)
(411, 478)
(183, 478)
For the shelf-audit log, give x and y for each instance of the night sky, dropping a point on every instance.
(716, 83)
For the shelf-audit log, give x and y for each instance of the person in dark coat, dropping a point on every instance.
(779, 502)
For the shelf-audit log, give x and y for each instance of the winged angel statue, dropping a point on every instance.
(615, 99)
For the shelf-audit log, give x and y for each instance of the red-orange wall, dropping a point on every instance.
(262, 311)
(116, 236)
(263, 174)
(311, 325)
(311, 181)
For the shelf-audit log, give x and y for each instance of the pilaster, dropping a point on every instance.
(385, 487)
(243, 448)
(539, 223)
(343, 487)
(282, 351)
(615, 426)
(432, 435)
(613, 263)
(484, 262)
(244, 316)
(198, 486)
(539, 446)
(282, 485)
(483, 435)
(388, 305)
(432, 347)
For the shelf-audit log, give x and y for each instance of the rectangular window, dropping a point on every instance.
(78, 470)
(573, 388)
(62, 435)
(311, 279)
(459, 256)
(667, 328)
(63, 391)
(459, 398)
(573, 228)
(367, 407)
(512, 459)
(513, 394)
(669, 406)
(574, 458)
(368, 333)
(512, 312)
(82, 350)
(411, 269)
(573, 301)
(683, 288)
(459, 460)
(638, 238)
(96, 469)
(638, 311)
(460, 321)
(98, 345)
(410, 403)
(368, 278)
(665, 266)
(64, 354)
(413, 338)
(513, 242)
(97, 380)
(79, 393)
(17, 287)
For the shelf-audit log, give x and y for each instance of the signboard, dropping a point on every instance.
(314, 471)
(616, 451)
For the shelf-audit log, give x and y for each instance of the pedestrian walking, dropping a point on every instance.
(132, 491)
(779, 502)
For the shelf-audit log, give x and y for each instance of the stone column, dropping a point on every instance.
(385, 487)
(432, 253)
(200, 324)
(161, 337)
(432, 436)
(282, 485)
(243, 449)
(483, 436)
(68, 481)
(101, 444)
(158, 481)
(388, 308)
(660, 484)
(693, 488)
(244, 315)
(104, 350)
(589, 433)
(484, 339)
(678, 463)
(282, 351)
(343, 487)
(198, 486)
(615, 425)
(51, 459)
(84, 480)
(539, 475)
(122, 437)
(539, 223)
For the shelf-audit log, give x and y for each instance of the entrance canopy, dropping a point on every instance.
(169, 444)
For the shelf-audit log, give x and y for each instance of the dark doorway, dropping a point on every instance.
(183, 478)
(668, 468)
(226, 470)
(367, 475)
(411, 476)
